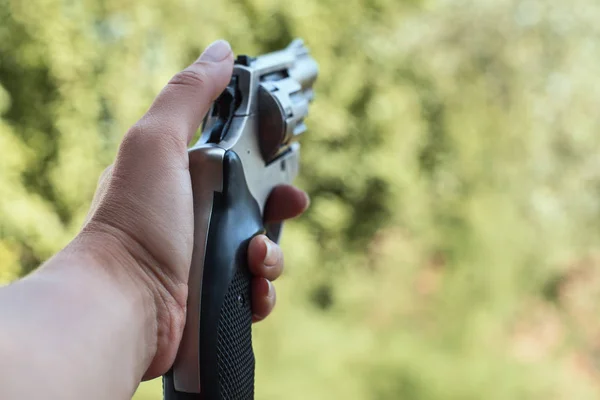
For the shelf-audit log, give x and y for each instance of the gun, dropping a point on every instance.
(247, 147)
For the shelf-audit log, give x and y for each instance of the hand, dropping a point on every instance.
(142, 211)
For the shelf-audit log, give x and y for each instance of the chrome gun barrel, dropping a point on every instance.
(305, 69)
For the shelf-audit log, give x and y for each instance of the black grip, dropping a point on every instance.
(225, 340)
(226, 355)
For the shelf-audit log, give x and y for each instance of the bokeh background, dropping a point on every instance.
(452, 248)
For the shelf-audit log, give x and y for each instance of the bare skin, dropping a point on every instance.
(109, 309)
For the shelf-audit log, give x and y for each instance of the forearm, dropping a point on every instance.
(79, 328)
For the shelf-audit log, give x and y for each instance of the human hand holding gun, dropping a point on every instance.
(171, 267)
(248, 147)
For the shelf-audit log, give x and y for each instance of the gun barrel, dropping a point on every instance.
(295, 59)
(305, 71)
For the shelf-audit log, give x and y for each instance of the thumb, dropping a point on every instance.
(180, 107)
(187, 97)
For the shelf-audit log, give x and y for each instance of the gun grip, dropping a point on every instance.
(226, 354)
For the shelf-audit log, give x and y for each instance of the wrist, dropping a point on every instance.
(102, 257)
(160, 299)
(93, 266)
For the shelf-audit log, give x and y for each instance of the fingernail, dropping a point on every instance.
(216, 52)
(271, 290)
(271, 254)
(307, 197)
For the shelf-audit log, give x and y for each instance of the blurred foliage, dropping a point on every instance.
(452, 246)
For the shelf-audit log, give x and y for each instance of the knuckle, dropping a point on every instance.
(134, 135)
(193, 76)
(148, 137)
(105, 174)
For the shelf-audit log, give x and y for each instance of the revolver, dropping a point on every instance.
(247, 147)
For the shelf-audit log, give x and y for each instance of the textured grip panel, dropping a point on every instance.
(234, 349)
(226, 356)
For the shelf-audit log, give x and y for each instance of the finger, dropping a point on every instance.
(265, 258)
(182, 104)
(285, 202)
(263, 298)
